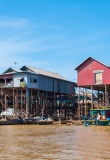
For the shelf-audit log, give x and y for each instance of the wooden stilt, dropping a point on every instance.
(79, 103)
(21, 100)
(106, 98)
(85, 102)
(92, 97)
(27, 102)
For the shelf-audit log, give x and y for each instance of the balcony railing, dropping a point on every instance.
(10, 85)
(6, 85)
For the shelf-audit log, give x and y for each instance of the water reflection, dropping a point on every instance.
(54, 142)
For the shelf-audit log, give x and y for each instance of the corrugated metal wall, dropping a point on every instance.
(30, 81)
(55, 85)
(86, 73)
(44, 83)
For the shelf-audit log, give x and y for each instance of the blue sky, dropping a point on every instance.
(54, 35)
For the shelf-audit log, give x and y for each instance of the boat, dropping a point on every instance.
(8, 117)
(10, 121)
(66, 121)
(45, 121)
(31, 120)
(104, 117)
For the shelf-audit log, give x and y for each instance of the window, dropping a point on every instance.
(22, 80)
(35, 80)
(98, 78)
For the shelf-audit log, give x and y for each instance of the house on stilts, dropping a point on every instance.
(34, 92)
(93, 80)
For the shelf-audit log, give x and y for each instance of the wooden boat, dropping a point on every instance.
(31, 120)
(10, 121)
(103, 121)
(45, 121)
(66, 121)
(8, 117)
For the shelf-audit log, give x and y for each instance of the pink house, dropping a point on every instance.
(94, 75)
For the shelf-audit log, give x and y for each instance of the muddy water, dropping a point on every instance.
(54, 142)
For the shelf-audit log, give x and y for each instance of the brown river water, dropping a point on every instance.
(54, 142)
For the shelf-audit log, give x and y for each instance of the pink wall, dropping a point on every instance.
(86, 73)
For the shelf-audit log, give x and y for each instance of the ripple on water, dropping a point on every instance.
(54, 142)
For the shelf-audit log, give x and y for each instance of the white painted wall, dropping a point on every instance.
(17, 79)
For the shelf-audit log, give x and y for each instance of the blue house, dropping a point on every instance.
(34, 90)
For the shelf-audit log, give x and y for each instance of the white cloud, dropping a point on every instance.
(14, 23)
(18, 36)
(23, 42)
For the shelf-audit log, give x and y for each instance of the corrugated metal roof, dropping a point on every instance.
(17, 70)
(12, 70)
(46, 73)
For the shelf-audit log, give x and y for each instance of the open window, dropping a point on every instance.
(35, 80)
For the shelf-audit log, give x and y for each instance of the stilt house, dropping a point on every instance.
(34, 91)
(95, 76)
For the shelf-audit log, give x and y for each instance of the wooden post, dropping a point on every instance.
(65, 113)
(106, 98)
(2, 96)
(92, 97)
(27, 102)
(21, 100)
(85, 102)
(54, 103)
(79, 103)
(13, 94)
(45, 103)
(31, 103)
(98, 98)
(103, 98)
(43, 107)
(16, 100)
(5, 100)
(67, 107)
(38, 102)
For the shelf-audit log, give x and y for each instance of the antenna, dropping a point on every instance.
(15, 63)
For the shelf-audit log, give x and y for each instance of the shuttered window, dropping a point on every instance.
(98, 78)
